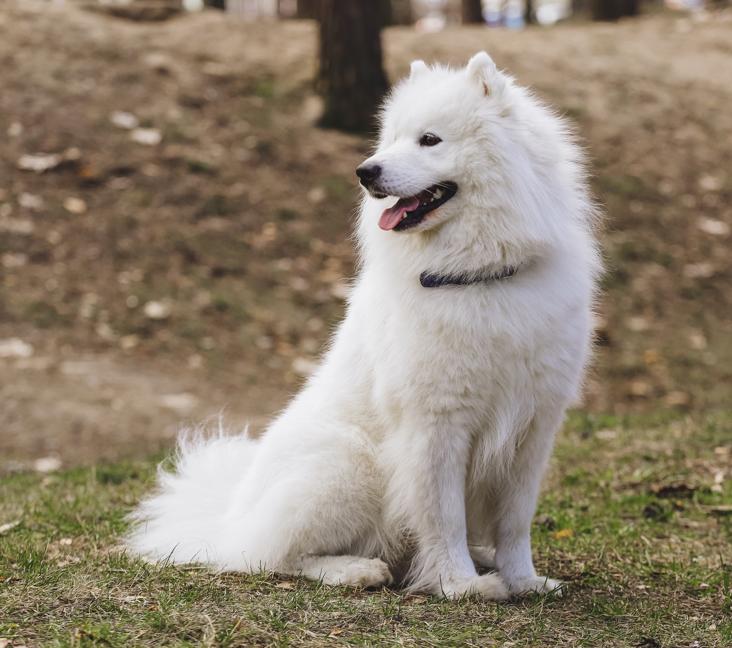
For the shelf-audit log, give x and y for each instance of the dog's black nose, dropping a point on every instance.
(368, 173)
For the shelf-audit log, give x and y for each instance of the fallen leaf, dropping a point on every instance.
(8, 526)
(721, 510)
(563, 534)
(285, 585)
(676, 490)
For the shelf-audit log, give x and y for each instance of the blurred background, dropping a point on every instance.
(177, 195)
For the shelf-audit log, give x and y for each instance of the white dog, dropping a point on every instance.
(417, 448)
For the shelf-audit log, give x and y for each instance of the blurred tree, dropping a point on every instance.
(351, 77)
(613, 9)
(401, 12)
(307, 8)
(529, 12)
(472, 11)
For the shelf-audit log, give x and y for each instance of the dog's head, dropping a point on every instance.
(435, 143)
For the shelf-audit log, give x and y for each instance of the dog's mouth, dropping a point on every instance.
(410, 212)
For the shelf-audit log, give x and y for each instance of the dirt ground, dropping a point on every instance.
(186, 251)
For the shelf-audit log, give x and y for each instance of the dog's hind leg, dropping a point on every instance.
(355, 571)
(314, 510)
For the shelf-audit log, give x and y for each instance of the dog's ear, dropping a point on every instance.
(483, 70)
(416, 68)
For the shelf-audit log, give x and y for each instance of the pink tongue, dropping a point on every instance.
(392, 216)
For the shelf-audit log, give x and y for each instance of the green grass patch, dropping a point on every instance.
(632, 518)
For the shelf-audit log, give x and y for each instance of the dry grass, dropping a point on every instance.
(633, 519)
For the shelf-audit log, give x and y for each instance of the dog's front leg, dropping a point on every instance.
(430, 491)
(516, 505)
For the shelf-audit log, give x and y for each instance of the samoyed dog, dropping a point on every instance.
(416, 450)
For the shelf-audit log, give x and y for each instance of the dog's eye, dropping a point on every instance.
(429, 139)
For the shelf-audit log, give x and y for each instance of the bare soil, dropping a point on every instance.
(163, 282)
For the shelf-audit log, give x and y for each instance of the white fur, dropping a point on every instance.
(418, 445)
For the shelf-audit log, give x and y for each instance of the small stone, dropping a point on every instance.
(105, 331)
(710, 183)
(697, 340)
(47, 464)
(304, 366)
(74, 205)
(702, 270)
(195, 361)
(39, 162)
(22, 226)
(14, 260)
(713, 226)
(677, 399)
(157, 310)
(340, 290)
(125, 120)
(639, 388)
(637, 323)
(146, 136)
(159, 62)
(15, 129)
(181, 403)
(15, 348)
(128, 342)
(31, 201)
(316, 195)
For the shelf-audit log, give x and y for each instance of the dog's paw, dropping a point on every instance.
(488, 586)
(537, 585)
(363, 572)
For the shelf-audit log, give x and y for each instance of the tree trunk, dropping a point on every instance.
(529, 12)
(472, 11)
(351, 77)
(613, 9)
(401, 12)
(307, 8)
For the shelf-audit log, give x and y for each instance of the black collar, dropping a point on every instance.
(436, 280)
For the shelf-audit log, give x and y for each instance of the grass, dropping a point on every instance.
(633, 518)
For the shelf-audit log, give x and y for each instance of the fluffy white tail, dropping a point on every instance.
(184, 520)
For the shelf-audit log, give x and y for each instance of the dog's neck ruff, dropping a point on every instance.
(437, 280)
